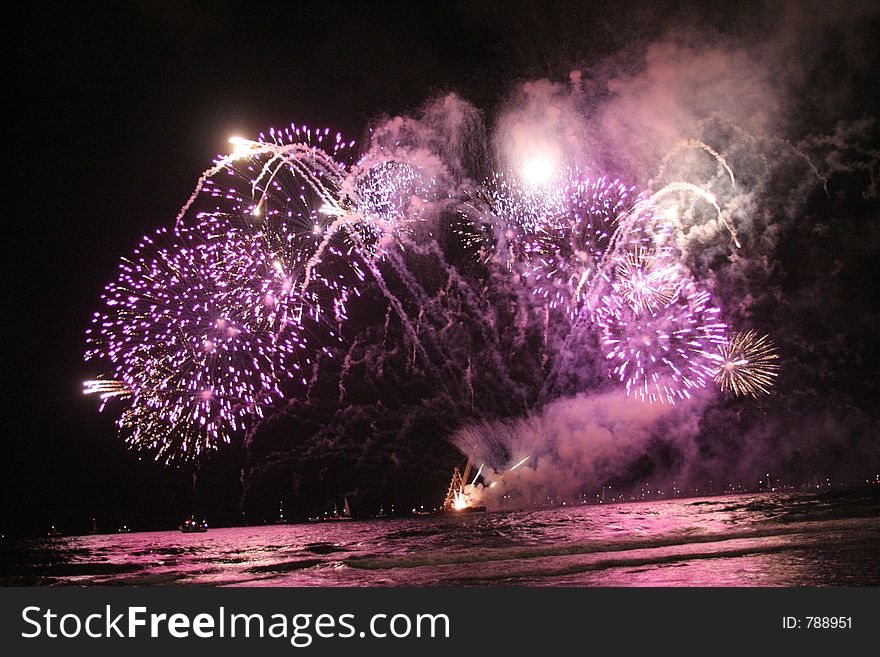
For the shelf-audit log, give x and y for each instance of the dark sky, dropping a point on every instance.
(116, 109)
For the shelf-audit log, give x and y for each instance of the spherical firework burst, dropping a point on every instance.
(661, 355)
(746, 364)
(199, 329)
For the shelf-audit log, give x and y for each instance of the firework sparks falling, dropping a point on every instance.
(299, 147)
(290, 182)
(747, 364)
(207, 322)
(561, 235)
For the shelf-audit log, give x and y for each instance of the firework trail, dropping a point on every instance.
(746, 364)
(206, 322)
(696, 190)
(288, 179)
(293, 146)
(696, 144)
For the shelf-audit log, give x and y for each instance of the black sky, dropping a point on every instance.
(115, 110)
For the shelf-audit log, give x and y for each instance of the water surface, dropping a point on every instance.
(764, 539)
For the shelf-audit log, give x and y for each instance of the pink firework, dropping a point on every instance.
(287, 188)
(647, 278)
(391, 199)
(199, 329)
(507, 221)
(661, 353)
(580, 232)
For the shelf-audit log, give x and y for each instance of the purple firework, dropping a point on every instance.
(287, 188)
(579, 234)
(661, 353)
(647, 278)
(508, 221)
(390, 199)
(199, 329)
(206, 323)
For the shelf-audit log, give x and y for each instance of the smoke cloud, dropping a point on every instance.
(575, 446)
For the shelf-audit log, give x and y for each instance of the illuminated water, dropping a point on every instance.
(778, 539)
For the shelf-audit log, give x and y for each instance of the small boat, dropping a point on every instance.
(193, 526)
(346, 512)
(345, 515)
(381, 513)
(457, 497)
(53, 532)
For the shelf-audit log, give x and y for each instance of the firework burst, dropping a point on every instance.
(746, 364)
(661, 355)
(567, 260)
(507, 221)
(284, 194)
(647, 278)
(391, 198)
(199, 329)
(207, 322)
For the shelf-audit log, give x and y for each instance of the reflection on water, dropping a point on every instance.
(779, 539)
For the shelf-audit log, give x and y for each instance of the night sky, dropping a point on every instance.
(115, 110)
